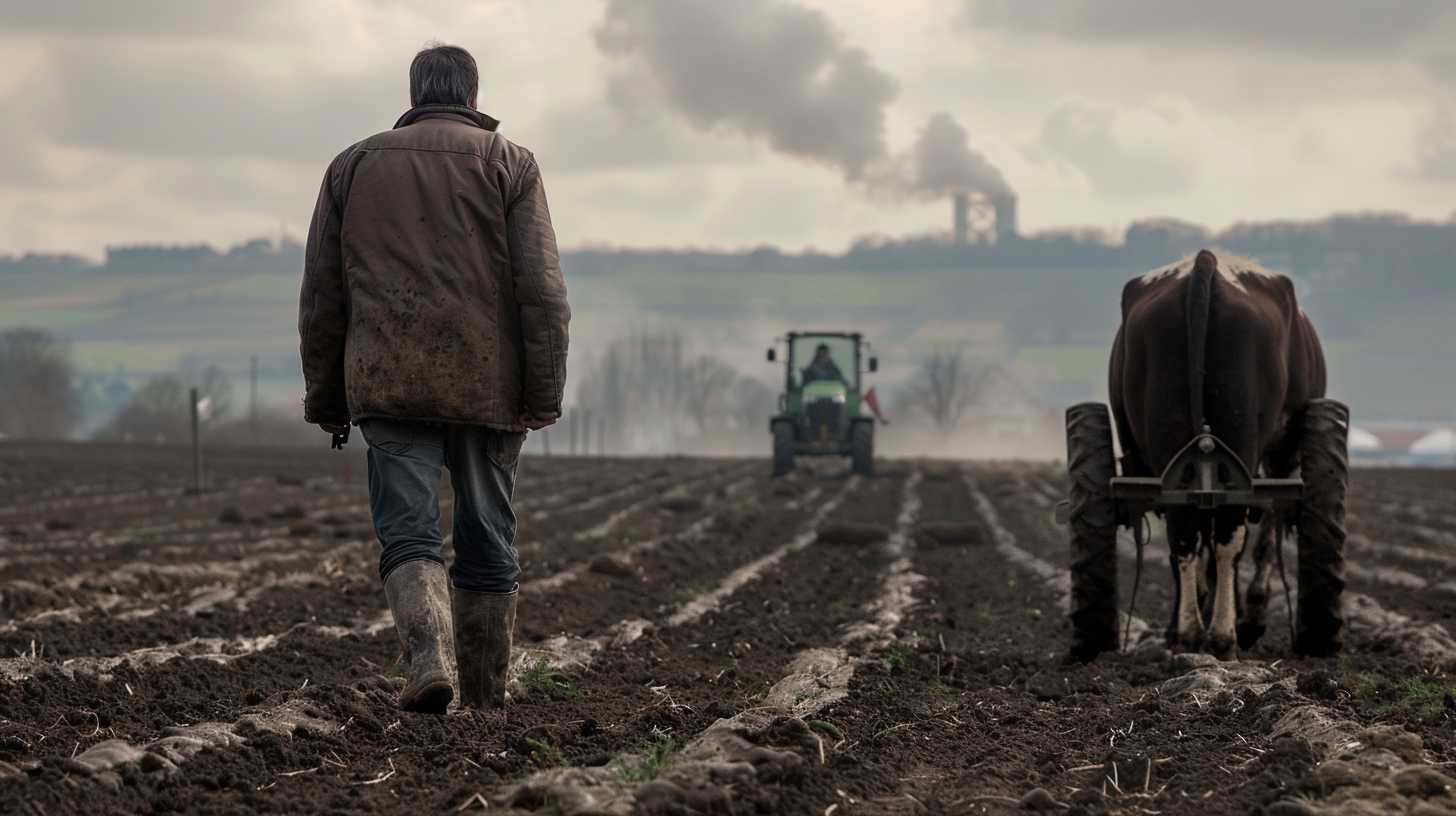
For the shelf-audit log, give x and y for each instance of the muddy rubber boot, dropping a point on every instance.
(419, 599)
(483, 625)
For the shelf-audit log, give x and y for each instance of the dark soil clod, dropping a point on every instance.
(854, 534)
(682, 504)
(949, 533)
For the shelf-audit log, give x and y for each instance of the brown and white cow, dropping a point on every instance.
(1214, 340)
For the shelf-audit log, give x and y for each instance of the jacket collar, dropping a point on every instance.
(459, 113)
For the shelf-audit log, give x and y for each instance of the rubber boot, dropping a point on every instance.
(419, 599)
(483, 625)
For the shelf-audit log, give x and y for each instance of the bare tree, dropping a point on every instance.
(636, 388)
(943, 388)
(706, 382)
(158, 411)
(650, 396)
(210, 382)
(38, 398)
(752, 403)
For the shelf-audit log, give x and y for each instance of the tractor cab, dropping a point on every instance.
(820, 408)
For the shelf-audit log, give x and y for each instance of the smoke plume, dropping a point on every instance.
(770, 69)
(781, 72)
(943, 162)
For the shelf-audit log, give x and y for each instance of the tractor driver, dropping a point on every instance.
(822, 367)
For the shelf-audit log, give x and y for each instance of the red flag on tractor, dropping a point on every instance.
(873, 402)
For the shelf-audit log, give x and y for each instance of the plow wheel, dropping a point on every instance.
(1325, 467)
(1091, 464)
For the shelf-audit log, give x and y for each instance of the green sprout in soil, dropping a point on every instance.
(826, 728)
(539, 678)
(896, 657)
(1360, 684)
(652, 764)
(1423, 699)
(759, 692)
(544, 753)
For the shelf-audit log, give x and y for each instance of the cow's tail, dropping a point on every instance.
(1200, 298)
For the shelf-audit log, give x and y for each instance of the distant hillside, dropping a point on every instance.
(1381, 289)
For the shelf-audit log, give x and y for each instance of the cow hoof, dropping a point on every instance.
(1250, 634)
(1222, 648)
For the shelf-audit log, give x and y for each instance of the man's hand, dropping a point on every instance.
(534, 423)
(328, 427)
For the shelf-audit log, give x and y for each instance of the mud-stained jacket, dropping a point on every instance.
(432, 289)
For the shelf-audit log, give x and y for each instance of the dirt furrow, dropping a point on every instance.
(126, 611)
(216, 600)
(899, 660)
(816, 677)
(619, 685)
(984, 718)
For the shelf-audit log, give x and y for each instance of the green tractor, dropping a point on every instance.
(820, 411)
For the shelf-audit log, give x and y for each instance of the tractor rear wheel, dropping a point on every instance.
(862, 448)
(1091, 464)
(783, 448)
(1324, 466)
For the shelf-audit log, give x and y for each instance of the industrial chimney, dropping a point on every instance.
(960, 217)
(1005, 205)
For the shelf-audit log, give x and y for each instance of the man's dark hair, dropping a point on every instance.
(443, 75)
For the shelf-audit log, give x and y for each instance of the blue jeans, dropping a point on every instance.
(405, 462)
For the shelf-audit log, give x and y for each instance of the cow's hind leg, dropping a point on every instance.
(1253, 623)
(1186, 631)
(1229, 536)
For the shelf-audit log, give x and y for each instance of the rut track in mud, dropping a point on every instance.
(958, 703)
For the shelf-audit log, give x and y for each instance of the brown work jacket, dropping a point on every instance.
(432, 288)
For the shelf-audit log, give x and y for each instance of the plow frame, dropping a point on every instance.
(1205, 475)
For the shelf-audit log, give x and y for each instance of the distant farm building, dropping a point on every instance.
(1436, 447)
(1404, 443)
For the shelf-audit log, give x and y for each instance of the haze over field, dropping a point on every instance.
(812, 147)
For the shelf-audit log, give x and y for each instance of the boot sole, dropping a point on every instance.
(433, 698)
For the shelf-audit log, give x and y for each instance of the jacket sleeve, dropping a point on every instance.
(540, 293)
(323, 314)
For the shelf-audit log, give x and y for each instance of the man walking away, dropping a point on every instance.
(433, 315)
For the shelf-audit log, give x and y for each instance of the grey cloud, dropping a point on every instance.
(1435, 148)
(21, 163)
(624, 130)
(1122, 156)
(767, 68)
(146, 19)
(1441, 65)
(174, 101)
(1338, 27)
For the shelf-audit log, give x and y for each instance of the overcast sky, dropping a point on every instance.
(733, 124)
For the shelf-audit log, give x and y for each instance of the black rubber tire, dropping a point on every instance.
(1324, 465)
(1092, 518)
(862, 448)
(783, 448)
